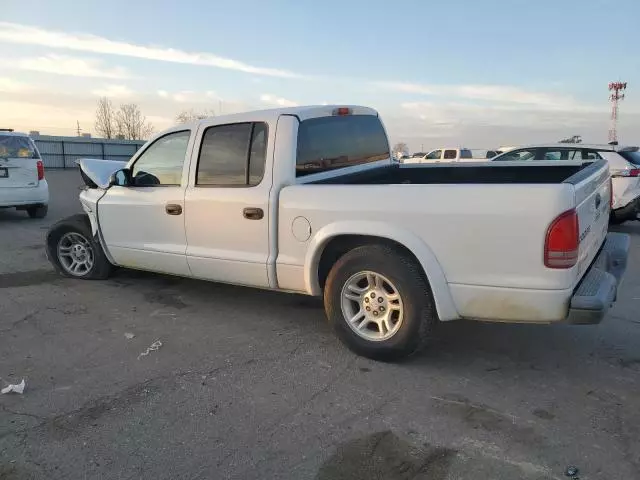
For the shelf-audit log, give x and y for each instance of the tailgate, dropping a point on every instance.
(592, 194)
(18, 172)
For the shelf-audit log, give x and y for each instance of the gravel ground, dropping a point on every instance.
(251, 384)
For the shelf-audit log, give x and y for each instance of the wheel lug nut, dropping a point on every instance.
(373, 295)
(380, 300)
(382, 309)
(366, 300)
(375, 313)
(368, 308)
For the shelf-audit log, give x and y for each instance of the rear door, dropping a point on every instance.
(18, 162)
(227, 203)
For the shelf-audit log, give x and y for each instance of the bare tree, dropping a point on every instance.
(400, 149)
(187, 116)
(105, 119)
(131, 124)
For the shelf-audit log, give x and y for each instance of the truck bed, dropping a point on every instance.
(486, 173)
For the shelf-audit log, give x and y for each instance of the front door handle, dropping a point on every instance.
(253, 213)
(173, 209)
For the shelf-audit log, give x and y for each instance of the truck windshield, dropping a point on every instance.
(328, 143)
(14, 146)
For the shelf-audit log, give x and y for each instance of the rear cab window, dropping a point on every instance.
(329, 143)
(17, 146)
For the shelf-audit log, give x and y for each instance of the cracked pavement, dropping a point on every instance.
(251, 384)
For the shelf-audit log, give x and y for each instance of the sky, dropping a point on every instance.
(470, 73)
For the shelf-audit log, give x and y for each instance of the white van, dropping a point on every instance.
(22, 182)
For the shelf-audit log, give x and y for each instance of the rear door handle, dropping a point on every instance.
(253, 213)
(173, 209)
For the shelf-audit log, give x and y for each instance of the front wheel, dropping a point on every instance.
(379, 304)
(74, 252)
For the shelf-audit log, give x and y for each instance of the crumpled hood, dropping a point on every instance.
(99, 171)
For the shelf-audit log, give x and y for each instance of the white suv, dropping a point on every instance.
(624, 165)
(22, 182)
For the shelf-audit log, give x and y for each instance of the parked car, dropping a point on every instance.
(444, 155)
(22, 182)
(624, 165)
(308, 200)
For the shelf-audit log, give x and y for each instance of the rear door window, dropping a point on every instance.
(232, 155)
(449, 154)
(15, 146)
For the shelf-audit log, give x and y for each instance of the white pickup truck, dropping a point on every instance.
(308, 200)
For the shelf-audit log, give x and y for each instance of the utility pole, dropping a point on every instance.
(78, 127)
(617, 88)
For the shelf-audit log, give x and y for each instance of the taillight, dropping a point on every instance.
(561, 244)
(341, 111)
(634, 172)
(40, 170)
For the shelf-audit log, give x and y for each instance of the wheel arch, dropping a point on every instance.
(334, 240)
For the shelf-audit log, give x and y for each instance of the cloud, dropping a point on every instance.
(189, 96)
(501, 94)
(71, 66)
(277, 101)
(29, 35)
(11, 86)
(113, 91)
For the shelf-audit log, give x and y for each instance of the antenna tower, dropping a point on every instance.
(616, 89)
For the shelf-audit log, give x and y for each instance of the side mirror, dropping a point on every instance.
(121, 178)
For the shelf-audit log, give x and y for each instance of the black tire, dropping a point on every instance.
(80, 224)
(38, 211)
(419, 317)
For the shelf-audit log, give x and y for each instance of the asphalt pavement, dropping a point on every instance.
(251, 384)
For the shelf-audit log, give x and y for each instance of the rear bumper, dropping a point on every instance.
(21, 196)
(598, 288)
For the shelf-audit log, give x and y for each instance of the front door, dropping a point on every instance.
(227, 204)
(143, 224)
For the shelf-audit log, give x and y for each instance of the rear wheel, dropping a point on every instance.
(379, 304)
(74, 252)
(38, 211)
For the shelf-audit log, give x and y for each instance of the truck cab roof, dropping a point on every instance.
(271, 115)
